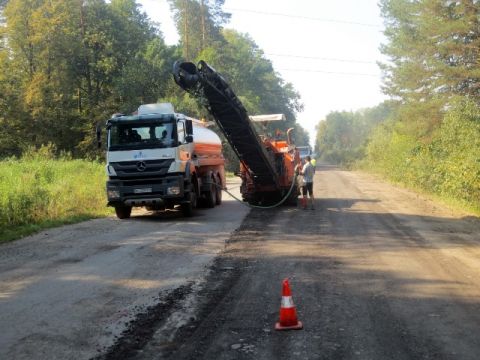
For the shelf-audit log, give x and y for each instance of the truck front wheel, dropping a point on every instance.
(188, 208)
(123, 212)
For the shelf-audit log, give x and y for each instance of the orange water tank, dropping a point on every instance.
(206, 142)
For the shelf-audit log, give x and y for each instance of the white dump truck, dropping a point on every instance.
(159, 159)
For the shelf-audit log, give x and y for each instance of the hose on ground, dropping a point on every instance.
(294, 182)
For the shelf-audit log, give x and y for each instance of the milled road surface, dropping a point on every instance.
(68, 293)
(377, 272)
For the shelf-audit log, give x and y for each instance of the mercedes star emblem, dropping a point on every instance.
(141, 166)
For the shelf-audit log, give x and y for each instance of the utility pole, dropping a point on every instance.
(185, 30)
(203, 23)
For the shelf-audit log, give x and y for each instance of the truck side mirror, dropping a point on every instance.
(189, 138)
(188, 127)
(99, 136)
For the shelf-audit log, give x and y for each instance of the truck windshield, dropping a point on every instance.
(141, 136)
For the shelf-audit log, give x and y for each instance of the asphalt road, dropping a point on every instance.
(70, 292)
(377, 272)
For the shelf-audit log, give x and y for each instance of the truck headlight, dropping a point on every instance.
(173, 190)
(113, 194)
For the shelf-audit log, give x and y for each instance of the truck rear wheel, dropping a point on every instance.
(211, 195)
(123, 212)
(218, 192)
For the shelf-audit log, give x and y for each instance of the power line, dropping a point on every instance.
(322, 58)
(330, 72)
(305, 17)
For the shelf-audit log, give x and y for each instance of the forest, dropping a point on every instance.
(66, 65)
(427, 135)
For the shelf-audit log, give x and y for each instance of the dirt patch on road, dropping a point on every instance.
(152, 335)
(141, 329)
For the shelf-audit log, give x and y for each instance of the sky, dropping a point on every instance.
(327, 49)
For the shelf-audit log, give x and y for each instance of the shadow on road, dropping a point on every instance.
(367, 285)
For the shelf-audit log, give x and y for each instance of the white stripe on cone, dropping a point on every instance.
(287, 302)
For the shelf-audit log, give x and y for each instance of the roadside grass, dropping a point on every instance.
(453, 203)
(38, 193)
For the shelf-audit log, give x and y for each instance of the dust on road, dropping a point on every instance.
(376, 272)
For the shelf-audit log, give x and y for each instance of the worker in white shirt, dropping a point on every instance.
(307, 172)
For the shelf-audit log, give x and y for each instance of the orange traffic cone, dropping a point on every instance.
(288, 313)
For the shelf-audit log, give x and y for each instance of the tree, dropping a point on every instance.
(74, 62)
(252, 77)
(434, 49)
(144, 77)
(69, 64)
(198, 24)
(342, 136)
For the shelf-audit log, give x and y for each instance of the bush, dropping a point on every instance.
(447, 165)
(456, 149)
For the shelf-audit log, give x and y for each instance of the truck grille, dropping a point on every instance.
(141, 168)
